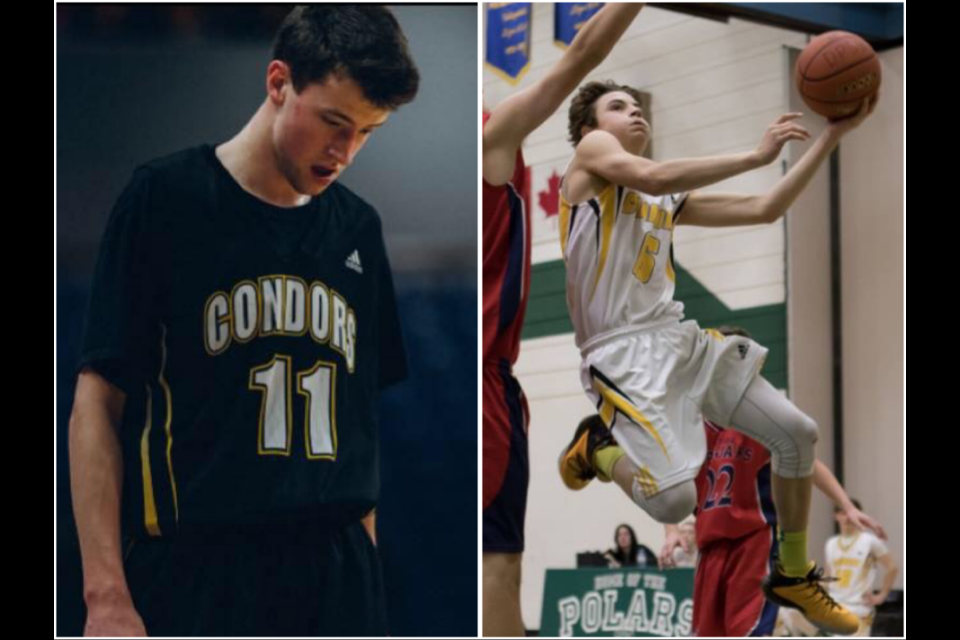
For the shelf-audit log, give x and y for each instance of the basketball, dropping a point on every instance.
(835, 72)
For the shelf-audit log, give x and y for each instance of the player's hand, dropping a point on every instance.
(114, 620)
(672, 541)
(839, 128)
(782, 131)
(874, 599)
(863, 521)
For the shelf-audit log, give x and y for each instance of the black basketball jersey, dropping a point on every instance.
(252, 342)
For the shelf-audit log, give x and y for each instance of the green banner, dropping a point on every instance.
(617, 602)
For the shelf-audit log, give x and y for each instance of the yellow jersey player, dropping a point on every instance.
(852, 559)
(654, 377)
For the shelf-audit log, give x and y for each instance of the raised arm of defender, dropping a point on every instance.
(517, 116)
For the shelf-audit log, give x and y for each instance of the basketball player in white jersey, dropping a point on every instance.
(852, 559)
(654, 377)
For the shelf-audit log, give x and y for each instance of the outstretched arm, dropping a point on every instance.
(601, 154)
(517, 116)
(828, 484)
(734, 210)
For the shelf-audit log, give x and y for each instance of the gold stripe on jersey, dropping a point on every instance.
(168, 395)
(608, 217)
(564, 224)
(149, 501)
(647, 482)
(716, 335)
(612, 401)
(151, 520)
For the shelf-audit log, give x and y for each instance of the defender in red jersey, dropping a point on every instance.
(506, 282)
(736, 535)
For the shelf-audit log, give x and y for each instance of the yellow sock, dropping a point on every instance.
(793, 553)
(604, 460)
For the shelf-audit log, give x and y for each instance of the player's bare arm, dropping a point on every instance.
(517, 116)
(732, 210)
(889, 577)
(827, 483)
(602, 155)
(96, 477)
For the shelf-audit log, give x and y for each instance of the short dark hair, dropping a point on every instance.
(583, 106)
(363, 42)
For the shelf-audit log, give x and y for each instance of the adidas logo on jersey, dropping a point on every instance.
(353, 262)
(744, 349)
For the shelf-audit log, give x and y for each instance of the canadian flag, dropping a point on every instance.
(546, 184)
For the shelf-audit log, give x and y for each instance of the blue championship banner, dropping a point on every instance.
(508, 39)
(569, 17)
(617, 602)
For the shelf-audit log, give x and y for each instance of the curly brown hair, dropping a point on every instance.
(583, 110)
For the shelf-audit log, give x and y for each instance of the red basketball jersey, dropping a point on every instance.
(506, 265)
(734, 497)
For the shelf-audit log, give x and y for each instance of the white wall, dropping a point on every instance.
(872, 267)
(873, 235)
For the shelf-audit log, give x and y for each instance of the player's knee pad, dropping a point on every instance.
(793, 455)
(669, 506)
(771, 419)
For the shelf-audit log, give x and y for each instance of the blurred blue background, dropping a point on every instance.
(136, 83)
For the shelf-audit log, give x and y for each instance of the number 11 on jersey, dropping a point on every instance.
(318, 387)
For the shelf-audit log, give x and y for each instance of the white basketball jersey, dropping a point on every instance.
(618, 249)
(853, 561)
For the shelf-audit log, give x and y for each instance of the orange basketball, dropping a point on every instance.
(835, 72)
